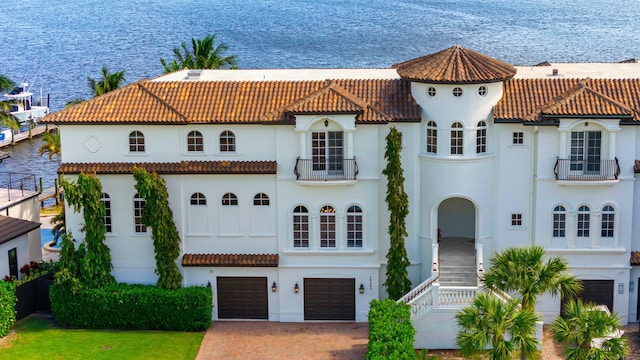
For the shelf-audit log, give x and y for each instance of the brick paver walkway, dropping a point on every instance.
(248, 340)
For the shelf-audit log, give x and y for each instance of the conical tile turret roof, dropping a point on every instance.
(455, 65)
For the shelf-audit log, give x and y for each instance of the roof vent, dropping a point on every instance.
(194, 74)
(554, 72)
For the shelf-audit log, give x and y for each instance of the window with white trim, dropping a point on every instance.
(518, 138)
(608, 217)
(584, 218)
(136, 142)
(457, 145)
(559, 221)
(516, 219)
(227, 141)
(198, 199)
(138, 205)
(354, 227)
(328, 227)
(261, 199)
(106, 200)
(229, 199)
(481, 138)
(195, 141)
(432, 137)
(457, 91)
(300, 227)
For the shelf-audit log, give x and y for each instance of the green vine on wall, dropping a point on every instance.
(397, 282)
(157, 214)
(91, 263)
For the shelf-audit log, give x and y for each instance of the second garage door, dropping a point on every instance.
(242, 298)
(329, 299)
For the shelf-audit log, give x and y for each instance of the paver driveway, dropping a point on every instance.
(249, 340)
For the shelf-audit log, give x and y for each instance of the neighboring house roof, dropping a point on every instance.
(455, 65)
(244, 102)
(231, 260)
(183, 167)
(536, 100)
(11, 228)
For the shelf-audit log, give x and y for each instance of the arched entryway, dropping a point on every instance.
(456, 239)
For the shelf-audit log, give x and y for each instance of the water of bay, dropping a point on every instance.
(58, 44)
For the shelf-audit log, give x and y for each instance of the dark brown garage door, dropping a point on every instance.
(599, 292)
(329, 299)
(242, 298)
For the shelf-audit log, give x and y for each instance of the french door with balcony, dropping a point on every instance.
(327, 151)
(585, 152)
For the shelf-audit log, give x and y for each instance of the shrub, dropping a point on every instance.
(7, 307)
(391, 332)
(139, 307)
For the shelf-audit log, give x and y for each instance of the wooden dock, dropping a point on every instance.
(26, 135)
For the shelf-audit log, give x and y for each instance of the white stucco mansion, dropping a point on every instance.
(275, 180)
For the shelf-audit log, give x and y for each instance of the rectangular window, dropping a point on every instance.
(481, 141)
(559, 221)
(583, 225)
(607, 224)
(327, 151)
(327, 230)
(456, 142)
(300, 230)
(13, 263)
(354, 230)
(516, 219)
(518, 138)
(138, 205)
(585, 151)
(432, 140)
(107, 214)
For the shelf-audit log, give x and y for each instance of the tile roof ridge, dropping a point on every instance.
(161, 101)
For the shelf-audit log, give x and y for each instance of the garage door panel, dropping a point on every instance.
(329, 299)
(242, 298)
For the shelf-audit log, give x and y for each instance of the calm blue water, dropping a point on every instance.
(62, 42)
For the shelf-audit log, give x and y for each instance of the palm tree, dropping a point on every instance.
(524, 271)
(589, 332)
(51, 145)
(5, 83)
(204, 54)
(59, 226)
(503, 326)
(7, 119)
(73, 101)
(109, 81)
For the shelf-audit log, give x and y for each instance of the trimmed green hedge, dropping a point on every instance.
(7, 307)
(391, 332)
(136, 307)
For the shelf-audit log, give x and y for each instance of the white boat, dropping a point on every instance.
(23, 106)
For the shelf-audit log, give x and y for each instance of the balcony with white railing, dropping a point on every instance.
(326, 171)
(588, 170)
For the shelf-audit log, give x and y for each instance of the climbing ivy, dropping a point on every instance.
(157, 214)
(397, 282)
(92, 259)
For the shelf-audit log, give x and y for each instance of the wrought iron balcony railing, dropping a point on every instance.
(326, 170)
(586, 170)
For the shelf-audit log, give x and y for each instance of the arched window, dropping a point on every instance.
(138, 205)
(261, 199)
(195, 142)
(300, 227)
(198, 199)
(229, 199)
(106, 200)
(559, 221)
(136, 141)
(481, 138)
(354, 226)
(328, 227)
(608, 217)
(456, 139)
(432, 137)
(584, 218)
(227, 141)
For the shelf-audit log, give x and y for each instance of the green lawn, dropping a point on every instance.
(37, 338)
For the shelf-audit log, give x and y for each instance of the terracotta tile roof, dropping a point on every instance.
(244, 102)
(11, 228)
(231, 260)
(635, 258)
(455, 65)
(183, 167)
(533, 100)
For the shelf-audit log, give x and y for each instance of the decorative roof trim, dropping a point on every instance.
(230, 260)
(183, 167)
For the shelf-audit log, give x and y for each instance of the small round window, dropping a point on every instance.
(457, 92)
(431, 91)
(482, 90)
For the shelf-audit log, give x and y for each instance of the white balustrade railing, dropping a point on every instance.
(456, 296)
(424, 302)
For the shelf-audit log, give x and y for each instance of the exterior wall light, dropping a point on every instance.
(620, 288)
(326, 123)
(274, 287)
(296, 288)
(361, 289)
(631, 286)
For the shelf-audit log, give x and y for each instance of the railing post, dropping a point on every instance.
(41, 188)
(435, 288)
(57, 192)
